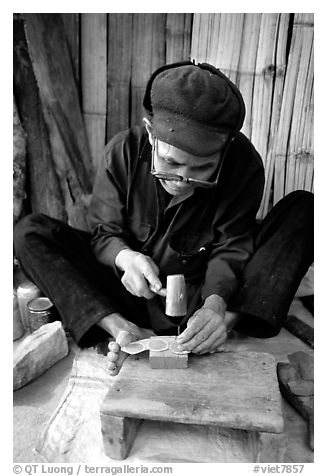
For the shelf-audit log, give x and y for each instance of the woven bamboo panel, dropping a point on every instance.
(293, 147)
(277, 86)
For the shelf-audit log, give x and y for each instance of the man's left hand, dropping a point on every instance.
(206, 330)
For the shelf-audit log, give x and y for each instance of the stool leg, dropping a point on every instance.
(118, 435)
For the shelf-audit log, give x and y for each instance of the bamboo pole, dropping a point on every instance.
(223, 49)
(246, 70)
(220, 41)
(297, 156)
(195, 34)
(94, 85)
(60, 104)
(308, 141)
(236, 42)
(213, 44)
(275, 88)
(283, 28)
(263, 83)
(203, 37)
(282, 141)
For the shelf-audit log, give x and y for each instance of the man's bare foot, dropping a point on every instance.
(124, 333)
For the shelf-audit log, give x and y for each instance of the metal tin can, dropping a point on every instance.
(40, 312)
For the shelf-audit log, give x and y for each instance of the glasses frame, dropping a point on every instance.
(179, 178)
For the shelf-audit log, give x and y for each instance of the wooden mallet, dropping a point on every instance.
(176, 303)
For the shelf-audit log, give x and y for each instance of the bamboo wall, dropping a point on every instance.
(270, 58)
(87, 74)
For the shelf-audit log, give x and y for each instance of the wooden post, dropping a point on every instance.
(118, 434)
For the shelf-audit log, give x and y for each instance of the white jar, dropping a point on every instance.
(18, 328)
(25, 293)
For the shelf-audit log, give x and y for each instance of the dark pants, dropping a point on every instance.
(59, 260)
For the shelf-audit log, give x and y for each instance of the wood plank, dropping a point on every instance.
(178, 37)
(44, 192)
(148, 54)
(94, 85)
(72, 31)
(233, 390)
(53, 71)
(120, 27)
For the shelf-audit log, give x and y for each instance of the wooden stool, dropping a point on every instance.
(231, 390)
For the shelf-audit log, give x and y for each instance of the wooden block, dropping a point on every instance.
(166, 359)
(118, 434)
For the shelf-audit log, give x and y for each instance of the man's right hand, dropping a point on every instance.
(140, 272)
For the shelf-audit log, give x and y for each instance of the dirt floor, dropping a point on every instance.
(35, 403)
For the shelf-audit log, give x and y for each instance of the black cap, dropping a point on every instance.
(192, 105)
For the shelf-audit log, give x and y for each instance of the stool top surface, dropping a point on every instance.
(228, 389)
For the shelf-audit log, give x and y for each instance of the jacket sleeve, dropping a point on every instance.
(234, 242)
(106, 212)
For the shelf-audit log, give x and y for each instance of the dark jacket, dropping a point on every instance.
(208, 237)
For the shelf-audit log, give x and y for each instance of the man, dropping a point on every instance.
(178, 196)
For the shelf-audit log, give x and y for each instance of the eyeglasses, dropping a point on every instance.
(179, 178)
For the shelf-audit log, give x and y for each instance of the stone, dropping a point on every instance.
(37, 352)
